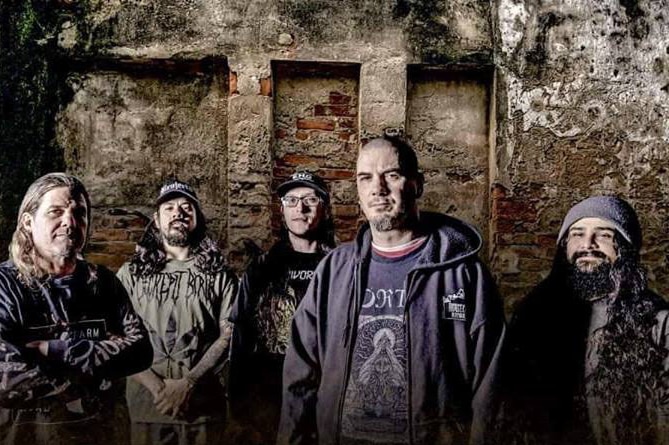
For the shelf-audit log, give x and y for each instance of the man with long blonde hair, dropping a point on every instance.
(68, 333)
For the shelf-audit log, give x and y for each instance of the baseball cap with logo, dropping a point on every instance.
(173, 188)
(304, 179)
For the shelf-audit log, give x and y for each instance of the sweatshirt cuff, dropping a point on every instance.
(57, 350)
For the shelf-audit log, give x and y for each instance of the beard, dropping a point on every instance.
(177, 235)
(386, 223)
(590, 284)
(67, 245)
(390, 221)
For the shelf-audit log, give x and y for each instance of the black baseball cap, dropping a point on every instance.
(304, 179)
(173, 188)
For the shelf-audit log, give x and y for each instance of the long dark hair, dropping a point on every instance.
(629, 378)
(150, 257)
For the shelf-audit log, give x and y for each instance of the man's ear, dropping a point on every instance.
(27, 222)
(155, 220)
(420, 181)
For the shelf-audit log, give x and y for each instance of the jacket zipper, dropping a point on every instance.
(349, 354)
(407, 329)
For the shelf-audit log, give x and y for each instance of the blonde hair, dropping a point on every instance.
(22, 249)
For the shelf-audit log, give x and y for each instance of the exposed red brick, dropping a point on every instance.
(232, 89)
(301, 160)
(343, 210)
(337, 98)
(122, 248)
(335, 110)
(546, 241)
(280, 133)
(301, 135)
(516, 209)
(345, 135)
(498, 191)
(113, 262)
(265, 86)
(110, 235)
(316, 124)
(281, 171)
(336, 174)
(347, 123)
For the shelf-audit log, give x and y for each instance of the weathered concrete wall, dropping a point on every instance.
(125, 132)
(582, 110)
(576, 106)
(279, 114)
(447, 122)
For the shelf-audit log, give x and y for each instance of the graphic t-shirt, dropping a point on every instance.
(275, 308)
(181, 308)
(375, 404)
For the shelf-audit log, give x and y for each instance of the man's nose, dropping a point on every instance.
(179, 213)
(303, 207)
(589, 241)
(379, 185)
(68, 219)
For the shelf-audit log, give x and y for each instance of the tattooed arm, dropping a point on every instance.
(176, 391)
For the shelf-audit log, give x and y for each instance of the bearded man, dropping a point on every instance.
(179, 285)
(588, 349)
(397, 337)
(68, 332)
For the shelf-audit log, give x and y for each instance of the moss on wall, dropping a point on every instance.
(29, 88)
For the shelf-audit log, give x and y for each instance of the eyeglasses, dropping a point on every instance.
(292, 201)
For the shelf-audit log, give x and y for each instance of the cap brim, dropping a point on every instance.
(287, 186)
(175, 193)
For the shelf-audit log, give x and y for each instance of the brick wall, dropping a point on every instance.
(316, 115)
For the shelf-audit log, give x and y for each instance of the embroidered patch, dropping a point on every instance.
(453, 306)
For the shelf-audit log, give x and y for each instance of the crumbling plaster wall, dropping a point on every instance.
(580, 97)
(583, 106)
(380, 37)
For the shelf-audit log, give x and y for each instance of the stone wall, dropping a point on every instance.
(582, 100)
(307, 81)
(518, 109)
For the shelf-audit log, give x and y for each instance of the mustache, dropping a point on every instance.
(593, 253)
(180, 225)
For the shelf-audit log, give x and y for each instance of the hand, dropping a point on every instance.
(41, 346)
(173, 396)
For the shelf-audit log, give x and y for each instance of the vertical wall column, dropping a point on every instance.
(383, 86)
(249, 161)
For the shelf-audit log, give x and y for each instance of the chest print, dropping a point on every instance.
(453, 306)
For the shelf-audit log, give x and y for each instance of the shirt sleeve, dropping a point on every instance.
(23, 380)
(126, 350)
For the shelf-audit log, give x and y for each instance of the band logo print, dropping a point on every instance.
(453, 306)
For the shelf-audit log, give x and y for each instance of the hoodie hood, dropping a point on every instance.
(449, 240)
